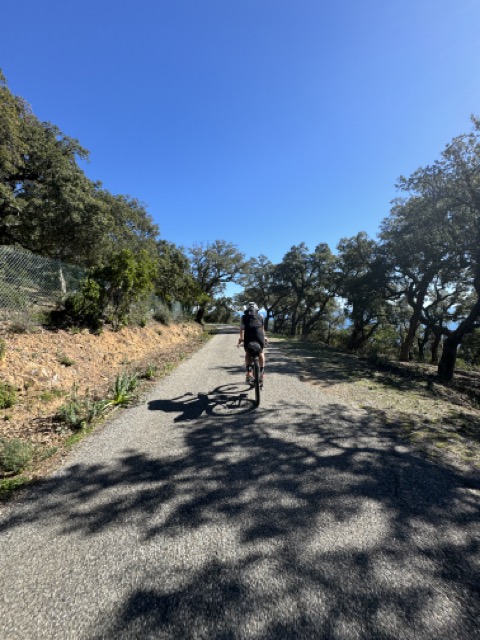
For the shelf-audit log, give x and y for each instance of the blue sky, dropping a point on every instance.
(262, 122)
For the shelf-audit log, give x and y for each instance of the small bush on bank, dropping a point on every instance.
(15, 455)
(78, 413)
(163, 315)
(8, 395)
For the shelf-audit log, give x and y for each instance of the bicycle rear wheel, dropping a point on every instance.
(256, 375)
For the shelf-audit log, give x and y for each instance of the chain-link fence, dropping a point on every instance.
(31, 283)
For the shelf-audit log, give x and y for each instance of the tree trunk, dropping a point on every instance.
(293, 326)
(360, 336)
(422, 343)
(200, 314)
(446, 366)
(434, 347)
(407, 344)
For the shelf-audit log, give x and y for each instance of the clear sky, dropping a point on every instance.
(262, 122)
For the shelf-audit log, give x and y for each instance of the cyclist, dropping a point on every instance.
(251, 330)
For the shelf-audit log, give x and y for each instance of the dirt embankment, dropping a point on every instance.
(47, 367)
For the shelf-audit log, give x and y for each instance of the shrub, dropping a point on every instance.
(48, 396)
(8, 395)
(82, 309)
(3, 348)
(65, 360)
(150, 372)
(15, 455)
(163, 315)
(77, 414)
(127, 279)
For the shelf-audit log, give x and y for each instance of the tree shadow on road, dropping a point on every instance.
(310, 526)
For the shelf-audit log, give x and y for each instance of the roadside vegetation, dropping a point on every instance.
(441, 421)
(68, 416)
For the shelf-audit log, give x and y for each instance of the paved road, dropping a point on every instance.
(186, 518)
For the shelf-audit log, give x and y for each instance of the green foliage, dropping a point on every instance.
(174, 281)
(110, 292)
(48, 396)
(47, 203)
(9, 486)
(150, 372)
(72, 414)
(213, 265)
(221, 311)
(15, 455)
(82, 309)
(124, 388)
(163, 315)
(8, 395)
(78, 413)
(3, 348)
(126, 279)
(65, 360)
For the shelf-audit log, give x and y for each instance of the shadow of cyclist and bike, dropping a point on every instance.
(225, 401)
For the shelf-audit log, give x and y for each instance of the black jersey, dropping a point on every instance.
(252, 325)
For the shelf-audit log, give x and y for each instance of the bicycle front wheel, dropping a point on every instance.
(256, 374)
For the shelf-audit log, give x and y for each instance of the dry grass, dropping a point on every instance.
(443, 421)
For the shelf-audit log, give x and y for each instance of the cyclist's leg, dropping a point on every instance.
(261, 361)
(248, 366)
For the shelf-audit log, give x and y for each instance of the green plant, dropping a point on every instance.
(124, 388)
(8, 395)
(44, 454)
(162, 315)
(78, 413)
(82, 309)
(71, 414)
(3, 348)
(150, 372)
(65, 360)
(15, 455)
(75, 330)
(48, 396)
(127, 279)
(8, 486)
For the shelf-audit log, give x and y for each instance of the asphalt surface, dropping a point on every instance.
(194, 515)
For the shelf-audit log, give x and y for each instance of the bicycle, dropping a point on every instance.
(254, 349)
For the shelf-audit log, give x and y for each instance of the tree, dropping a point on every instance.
(127, 225)
(213, 265)
(454, 183)
(361, 280)
(222, 311)
(262, 286)
(49, 206)
(305, 282)
(417, 240)
(125, 280)
(174, 282)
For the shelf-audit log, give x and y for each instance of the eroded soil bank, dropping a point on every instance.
(47, 368)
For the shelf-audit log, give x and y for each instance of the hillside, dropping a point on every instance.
(50, 368)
